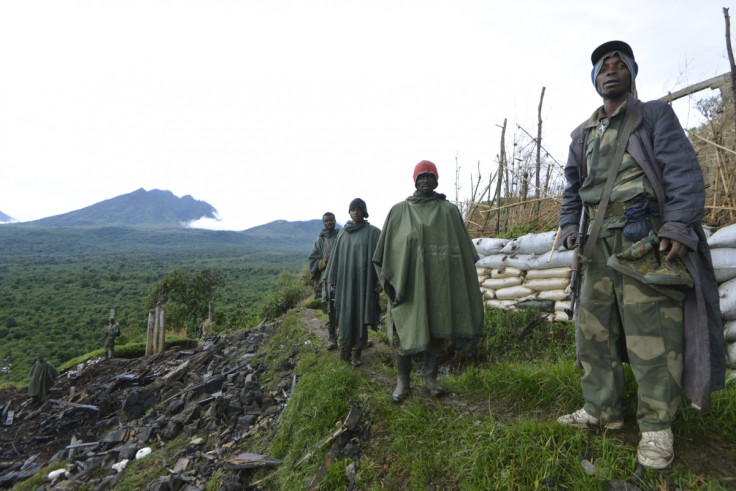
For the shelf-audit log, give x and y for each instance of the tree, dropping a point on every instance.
(185, 296)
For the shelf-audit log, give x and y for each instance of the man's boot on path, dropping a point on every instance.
(356, 358)
(430, 375)
(332, 340)
(345, 353)
(403, 372)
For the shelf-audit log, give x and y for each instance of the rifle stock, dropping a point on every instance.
(576, 276)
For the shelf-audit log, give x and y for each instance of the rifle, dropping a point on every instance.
(576, 276)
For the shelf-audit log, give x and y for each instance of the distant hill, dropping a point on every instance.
(282, 230)
(36, 241)
(147, 222)
(5, 218)
(139, 208)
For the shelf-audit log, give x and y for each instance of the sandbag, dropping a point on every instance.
(731, 355)
(488, 294)
(481, 279)
(483, 271)
(727, 294)
(563, 272)
(501, 304)
(562, 317)
(542, 284)
(527, 262)
(553, 295)
(531, 244)
(513, 292)
(723, 237)
(496, 283)
(729, 331)
(488, 246)
(724, 263)
(507, 272)
(561, 306)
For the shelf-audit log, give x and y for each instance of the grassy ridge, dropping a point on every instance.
(496, 431)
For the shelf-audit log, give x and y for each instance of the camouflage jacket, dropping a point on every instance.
(659, 145)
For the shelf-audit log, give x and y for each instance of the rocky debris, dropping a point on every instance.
(103, 413)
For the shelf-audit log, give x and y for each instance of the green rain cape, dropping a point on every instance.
(322, 249)
(426, 263)
(42, 376)
(351, 272)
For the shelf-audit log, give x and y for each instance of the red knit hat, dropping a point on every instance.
(423, 167)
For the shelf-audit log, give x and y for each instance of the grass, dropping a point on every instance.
(496, 430)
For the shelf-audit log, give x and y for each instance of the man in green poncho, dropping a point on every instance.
(426, 263)
(319, 258)
(42, 377)
(351, 273)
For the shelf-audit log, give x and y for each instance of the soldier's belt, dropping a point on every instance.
(617, 208)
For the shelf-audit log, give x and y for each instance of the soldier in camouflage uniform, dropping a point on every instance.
(113, 331)
(629, 312)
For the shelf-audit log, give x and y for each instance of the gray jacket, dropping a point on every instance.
(660, 147)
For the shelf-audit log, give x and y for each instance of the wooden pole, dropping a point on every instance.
(161, 329)
(539, 152)
(730, 55)
(149, 333)
(501, 165)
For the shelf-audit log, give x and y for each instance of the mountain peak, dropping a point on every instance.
(6, 219)
(140, 207)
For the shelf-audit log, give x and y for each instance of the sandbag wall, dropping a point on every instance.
(516, 272)
(723, 254)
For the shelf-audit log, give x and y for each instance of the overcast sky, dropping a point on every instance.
(285, 109)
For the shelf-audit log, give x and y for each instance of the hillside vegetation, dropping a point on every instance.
(57, 285)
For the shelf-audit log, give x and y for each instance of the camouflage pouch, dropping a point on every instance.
(642, 262)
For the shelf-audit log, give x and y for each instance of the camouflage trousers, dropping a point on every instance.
(615, 308)
(110, 348)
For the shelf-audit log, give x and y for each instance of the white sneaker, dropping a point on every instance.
(582, 419)
(656, 449)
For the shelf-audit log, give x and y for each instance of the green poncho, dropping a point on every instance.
(42, 376)
(426, 263)
(321, 250)
(351, 272)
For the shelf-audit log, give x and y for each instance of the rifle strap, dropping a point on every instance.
(632, 114)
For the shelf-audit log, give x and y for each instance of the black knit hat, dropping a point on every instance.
(608, 47)
(360, 204)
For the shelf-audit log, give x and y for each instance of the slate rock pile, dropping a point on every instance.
(102, 415)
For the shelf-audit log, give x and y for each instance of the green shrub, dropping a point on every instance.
(290, 289)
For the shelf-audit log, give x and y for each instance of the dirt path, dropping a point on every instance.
(380, 351)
